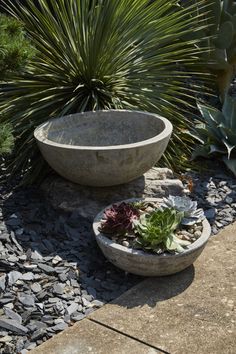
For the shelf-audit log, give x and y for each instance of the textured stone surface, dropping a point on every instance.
(91, 338)
(12, 325)
(104, 148)
(190, 312)
(88, 201)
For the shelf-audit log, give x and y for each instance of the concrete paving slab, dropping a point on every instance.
(88, 337)
(187, 313)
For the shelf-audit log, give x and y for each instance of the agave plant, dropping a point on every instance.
(156, 230)
(191, 214)
(217, 133)
(101, 54)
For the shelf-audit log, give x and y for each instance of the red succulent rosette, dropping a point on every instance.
(119, 218)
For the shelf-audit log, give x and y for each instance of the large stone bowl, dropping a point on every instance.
(103, 148)
(145, 264)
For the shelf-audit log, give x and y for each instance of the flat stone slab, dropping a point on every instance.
(91, 338)
(190, 312)
(88, 201)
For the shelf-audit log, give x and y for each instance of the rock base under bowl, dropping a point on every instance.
(88, 201)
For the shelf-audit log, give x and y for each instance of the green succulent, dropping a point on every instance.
(217, 133)
(106, 54)
(156, 230)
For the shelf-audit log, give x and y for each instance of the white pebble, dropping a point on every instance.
(125, 243)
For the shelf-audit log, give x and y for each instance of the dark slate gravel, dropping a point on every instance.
(52, 273)
(215, 192)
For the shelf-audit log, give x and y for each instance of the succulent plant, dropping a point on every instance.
(119, 219)
(217, 133)
(156, 230)
(191, 214)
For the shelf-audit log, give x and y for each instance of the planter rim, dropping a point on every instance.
(107, 241)
(165, 133)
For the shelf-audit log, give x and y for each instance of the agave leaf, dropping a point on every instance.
(227, 133)
(201, 133)
(213, 118)
(234, 21)
(225, 15)
(231, 164)
(210, 114)
(201, 151)
(229, 147)
(216, 149)
(218, 60)
(229, 111)
(225, 35)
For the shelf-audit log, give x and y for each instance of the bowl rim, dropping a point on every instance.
(161, 136)
(102, 238)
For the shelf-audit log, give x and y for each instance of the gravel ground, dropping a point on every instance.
(215, 192)
(52, 273)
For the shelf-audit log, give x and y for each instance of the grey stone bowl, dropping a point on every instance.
(103, 148)
(145, 264)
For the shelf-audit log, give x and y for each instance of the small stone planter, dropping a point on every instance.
(143, 263)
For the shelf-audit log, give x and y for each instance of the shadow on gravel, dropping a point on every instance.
(60, 245)
(154, 290)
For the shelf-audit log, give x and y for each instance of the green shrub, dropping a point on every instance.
(121, 54)
(15, 49)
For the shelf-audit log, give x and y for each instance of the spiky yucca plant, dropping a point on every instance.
(101, 54)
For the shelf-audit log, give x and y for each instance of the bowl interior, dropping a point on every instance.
(103, 128)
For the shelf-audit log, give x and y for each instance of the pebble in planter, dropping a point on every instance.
(152, 237)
